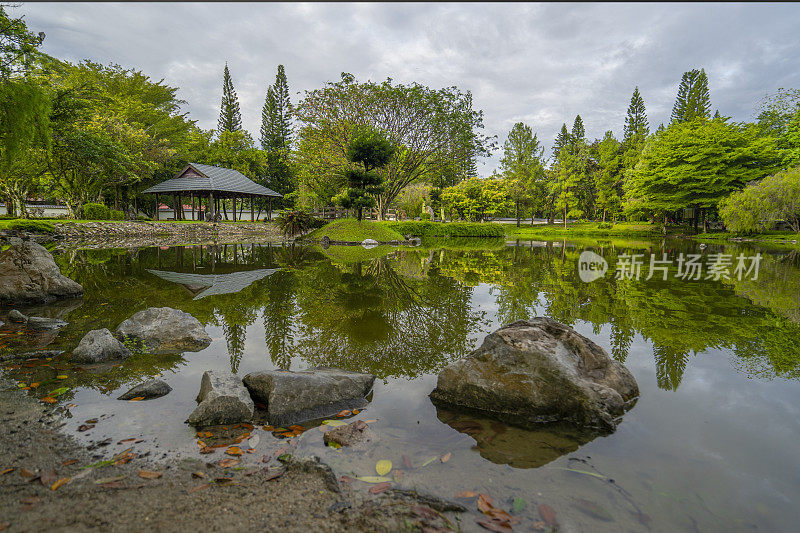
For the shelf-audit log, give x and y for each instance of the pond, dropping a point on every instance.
(711, 443)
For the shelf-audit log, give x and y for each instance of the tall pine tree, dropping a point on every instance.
(230, 118)
(694, 99)
(276, 116)
(636, 126)
(562, 140)
(578, 131)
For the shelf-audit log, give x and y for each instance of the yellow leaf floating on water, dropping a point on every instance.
(62, 377)
(383, 467)
(373, 479)
(334, 423)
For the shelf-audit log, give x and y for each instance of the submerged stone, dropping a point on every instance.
(222, 400)
(16, 316)
(41, 323)
(98, 346)
(164, 330)
(28, 273)
(155, 388)
(297, 396)
(535, 371)
(352, 434)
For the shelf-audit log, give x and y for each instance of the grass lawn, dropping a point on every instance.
(587, 229)
(348, 229)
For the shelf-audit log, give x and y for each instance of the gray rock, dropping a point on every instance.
(16, 316)
(369, 243)
(297, 396)
(98, 346)
(223, 400)
(154, 388)
(350, 435)
(164, 330)
(325, 242)
(28, 273)
(42, 324)
(40, 354)
(537, 371)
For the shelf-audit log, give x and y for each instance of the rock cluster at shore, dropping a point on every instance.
(28, 273)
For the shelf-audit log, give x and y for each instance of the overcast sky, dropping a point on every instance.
(537, 63)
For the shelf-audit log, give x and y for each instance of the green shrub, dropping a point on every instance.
(38, 226)
(95, 212)
(115, 214)
(425, 216)
(605, 225)
(424, 228)
(294, 221)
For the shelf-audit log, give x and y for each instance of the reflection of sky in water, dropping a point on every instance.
(718, 453)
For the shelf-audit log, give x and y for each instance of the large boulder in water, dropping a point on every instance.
(223, 400)
(297, 396)
(98, 346)
(535, 371)
(164, 330)
(28, 273)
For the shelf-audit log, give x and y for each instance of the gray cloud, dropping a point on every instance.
(537, 63)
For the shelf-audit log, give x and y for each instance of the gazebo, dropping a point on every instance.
(212, 183)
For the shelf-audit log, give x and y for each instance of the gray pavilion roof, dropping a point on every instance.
(212, 284)
(210, 178)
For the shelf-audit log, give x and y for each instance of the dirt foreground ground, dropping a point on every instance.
(189, 495)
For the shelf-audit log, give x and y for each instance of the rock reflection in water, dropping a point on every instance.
(520, 448)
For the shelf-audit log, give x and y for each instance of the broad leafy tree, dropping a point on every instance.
(523, 168)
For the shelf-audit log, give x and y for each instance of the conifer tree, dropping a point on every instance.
(562, 140)
(230, 118)
(276, 116)
(578, 131)
(694, 100)
(636, 126)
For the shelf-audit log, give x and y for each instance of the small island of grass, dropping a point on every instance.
(350, 230)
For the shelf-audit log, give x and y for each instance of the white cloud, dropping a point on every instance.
(540, 63)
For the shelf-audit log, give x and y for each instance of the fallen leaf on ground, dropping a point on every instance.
(200, 487)
(548, 515)
(198, 474)
(137, 399)
(48, 399)
(227, 463)
(343, 413)
(26, 473)
(85, 427)
(148, 474)
(223, 481)
(204, 434)
(69, 462)
(6, 471)
(234, 450)
(334, 423)
(494, 525)
(114, 485)
(274, 475)
(538, 525)
(296, 427)
(380, 487)
(267, 428)
(60, 482)
(429, 461)
(485, 502)
(466, 494)
(446, 457)
(346, 479)
(373, 479)
(383, 467)
(206, 450)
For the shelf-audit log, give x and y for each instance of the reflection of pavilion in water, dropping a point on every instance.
(215, 269)
(202, 285)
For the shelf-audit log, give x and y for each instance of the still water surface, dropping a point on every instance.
(712, 443)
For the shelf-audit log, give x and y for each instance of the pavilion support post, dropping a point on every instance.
(234, 209)
(211, 210)
(269, 213)
(224, 209)
(194, 216)
(155, 216)
(252, 211)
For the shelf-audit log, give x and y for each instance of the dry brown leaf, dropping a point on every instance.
(69, 462)
(274, 475)
(346, 479)
(234, 450)
(48, 477)
(548, 515)
(137, 399)
(343, 413)
(207, 449)
(148, 474)
(60, 482)
(494, 525)
(200, 487)
(204, 434)
(466, 494)
(485, 502)
(6, 471)
(198, 474)
(227, 463)
(425, 512)
(27, 473)
(446, 457)
(48, 399)
(379, 487)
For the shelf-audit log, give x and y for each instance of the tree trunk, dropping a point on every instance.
(565, 217)
(604, 215)
(517, 204)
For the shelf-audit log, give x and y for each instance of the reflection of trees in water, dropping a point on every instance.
(278, 313)
(670, 366)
